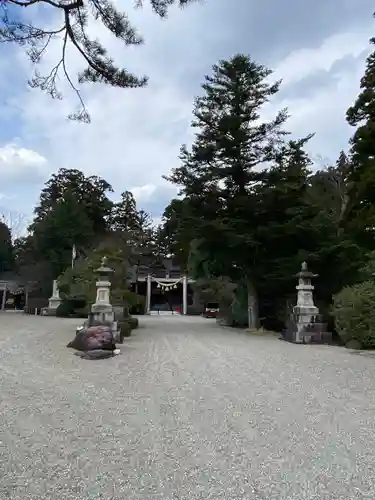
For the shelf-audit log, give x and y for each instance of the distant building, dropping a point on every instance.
(161, 281)
(163, 284)
(13, 293)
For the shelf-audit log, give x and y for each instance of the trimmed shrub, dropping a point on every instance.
(65, 309)
(81, 312)
(134, 323)
(125, 329)
(139, 307)
(78, 302)
(354, 314)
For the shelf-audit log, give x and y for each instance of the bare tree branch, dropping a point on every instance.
(15, 221)
(32, 2)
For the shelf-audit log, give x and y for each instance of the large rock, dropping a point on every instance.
(93, 338)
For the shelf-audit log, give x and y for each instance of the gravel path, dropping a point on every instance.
(188, 411)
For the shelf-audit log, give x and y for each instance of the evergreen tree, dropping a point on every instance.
(91, 193)
(135, 225)
(73, 19)
(125, 216)
(287, 229)
(230, 141)
(218, 173)
(330, 188)
(362, 176)
(6, 248)
(145, 226)
(282, 215)
(67, 225)
(175, 232)
(73, 210)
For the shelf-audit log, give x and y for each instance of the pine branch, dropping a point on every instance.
(75, 18)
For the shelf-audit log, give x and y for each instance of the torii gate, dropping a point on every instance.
(166, 284)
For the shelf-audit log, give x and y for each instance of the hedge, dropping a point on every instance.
(354, 314)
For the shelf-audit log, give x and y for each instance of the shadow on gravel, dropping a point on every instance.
(366, 354)
(96, 354)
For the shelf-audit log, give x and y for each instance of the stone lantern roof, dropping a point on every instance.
(305, 273)
(104, 270)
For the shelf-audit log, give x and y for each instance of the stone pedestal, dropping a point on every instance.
(54, 301)
(305, 311)
(306, 324)
(102, 307)
(102, 310)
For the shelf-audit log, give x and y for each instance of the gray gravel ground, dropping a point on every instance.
(188, 411)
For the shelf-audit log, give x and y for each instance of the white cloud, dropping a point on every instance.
(322, 110)
(323, 113)
(143, 193)
(17, 162)
(131, 140)
(149, 193)
(304, 62)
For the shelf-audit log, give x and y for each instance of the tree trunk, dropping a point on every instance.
(252, 306)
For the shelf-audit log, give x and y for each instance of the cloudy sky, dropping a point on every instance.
(318, 49)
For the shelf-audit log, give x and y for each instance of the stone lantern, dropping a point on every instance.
(305, 324)
(102, 309)
(305, 299)
(102, 313)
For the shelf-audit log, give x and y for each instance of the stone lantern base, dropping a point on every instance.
(306, 327)
(305, 324)
(53, 302)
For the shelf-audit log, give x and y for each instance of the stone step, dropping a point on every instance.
(163, 313)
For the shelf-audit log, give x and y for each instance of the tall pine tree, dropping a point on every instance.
(220, 170)
(362, 176)
(330, 188)
(124, 214)
(73, 210)
(6, 248)
(230, 140)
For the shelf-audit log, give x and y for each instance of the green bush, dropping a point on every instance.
(138, 305)
(134, 323)
(125, 329)
(65, 309)
(354, 314)
(78, 302)
(73, 306)
(82, 312)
